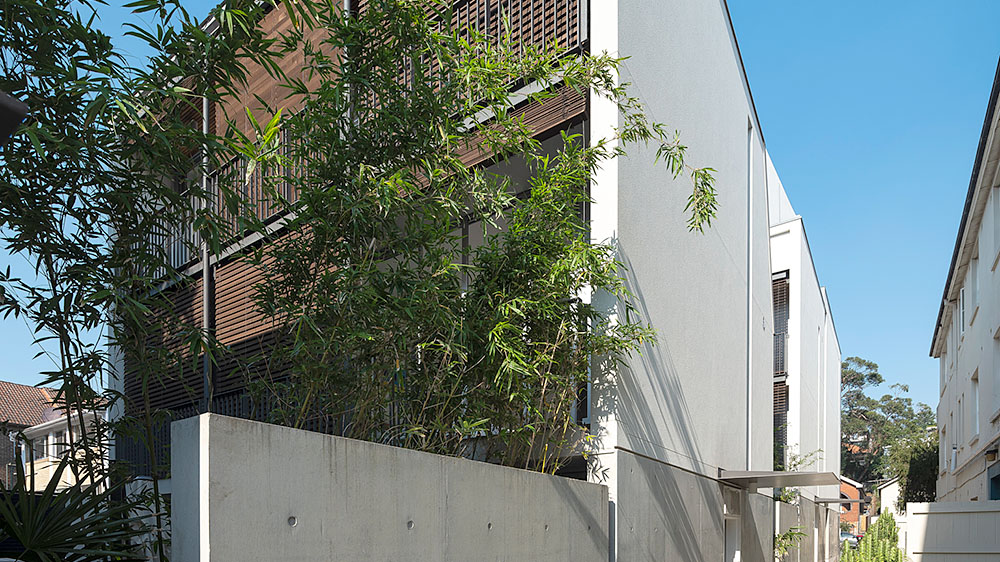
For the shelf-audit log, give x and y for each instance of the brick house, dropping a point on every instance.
(852, 513)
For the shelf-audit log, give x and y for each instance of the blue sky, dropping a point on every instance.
(871, 112)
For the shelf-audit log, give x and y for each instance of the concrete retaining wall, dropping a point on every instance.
(952, 531)
(821, 526)
(666, 513)
(244, 490)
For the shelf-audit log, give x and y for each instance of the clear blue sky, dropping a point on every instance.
(871, 112)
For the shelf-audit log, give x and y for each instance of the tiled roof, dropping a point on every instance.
(24, 405)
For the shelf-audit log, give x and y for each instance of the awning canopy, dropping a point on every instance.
(754, 479)
(839, 500)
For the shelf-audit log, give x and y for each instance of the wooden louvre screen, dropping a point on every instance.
(780, 424)
(779, 292)
(238, 324)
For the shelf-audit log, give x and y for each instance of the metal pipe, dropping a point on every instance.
(749, 382)
(206, 273)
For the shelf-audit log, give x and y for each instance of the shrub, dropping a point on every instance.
(880, 543)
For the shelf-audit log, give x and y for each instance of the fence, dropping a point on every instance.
(951, 531)
(245, 490)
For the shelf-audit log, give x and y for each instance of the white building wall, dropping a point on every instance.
(700, 399)
(813, 350)
(693, 287)
(831, 402)
(967, 341)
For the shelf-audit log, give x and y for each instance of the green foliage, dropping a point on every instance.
(78, 523)
(785, 542)
(396, 332)
(872, 428)
(880, 543)
(86, 184)
(915, 461)
(796, 463)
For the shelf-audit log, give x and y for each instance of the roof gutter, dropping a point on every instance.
(968, 201)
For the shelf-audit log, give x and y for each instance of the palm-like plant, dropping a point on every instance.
(79, 523)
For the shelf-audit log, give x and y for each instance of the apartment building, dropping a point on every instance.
(806, 359)
(684, 436)
(966, 337)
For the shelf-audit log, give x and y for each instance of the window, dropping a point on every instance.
(995, 383)
(995, 198)
(961, 309)
(993, 473)
(960, 434)
(38, 448)
(943, 362)
(974, 403)
(779, 293)
(60, 444)
(942, 461)
(974, 283)
(954, 428)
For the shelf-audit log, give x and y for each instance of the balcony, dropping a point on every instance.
(528, 22)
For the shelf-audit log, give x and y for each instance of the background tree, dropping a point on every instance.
(877, 434)
(915, 461)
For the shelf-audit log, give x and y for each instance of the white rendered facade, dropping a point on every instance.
(811, 348)
(699, 401)
(967, 337)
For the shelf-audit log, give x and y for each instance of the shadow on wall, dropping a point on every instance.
(653, 411)
(577, 504)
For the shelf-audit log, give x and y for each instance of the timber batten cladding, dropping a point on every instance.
(239, 326)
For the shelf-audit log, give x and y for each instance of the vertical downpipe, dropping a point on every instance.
(207, 311)
(749, 386)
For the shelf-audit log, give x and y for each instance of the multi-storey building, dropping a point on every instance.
(967, 335)
(806, 358)
(684, 436)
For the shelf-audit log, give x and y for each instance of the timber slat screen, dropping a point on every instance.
(238, 324)
(780, 424)
(531, 22)
(779, 292)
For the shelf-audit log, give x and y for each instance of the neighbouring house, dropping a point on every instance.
(685, 437)
(888, 494)
(806, 357)
(52, 440)
(852, 512)
(21, 407)
(37, 434)
(966, 337)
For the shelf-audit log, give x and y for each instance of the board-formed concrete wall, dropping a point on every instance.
(952, 531)
(245, 490)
